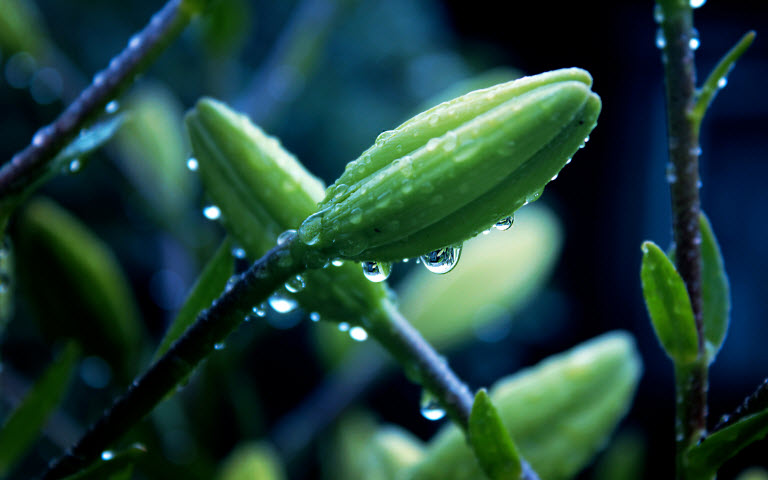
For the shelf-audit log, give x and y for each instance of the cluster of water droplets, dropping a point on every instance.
(661, 41)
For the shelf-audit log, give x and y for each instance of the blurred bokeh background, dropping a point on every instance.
(326, 76)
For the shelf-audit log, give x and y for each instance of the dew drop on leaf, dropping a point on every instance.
(212, 212)
(295, 284)
(343, 327)
(282, 303)
(192, 164)
(377, 271)
(505, 223)
(112, 107)
(358, 334)
(314, 316)
(283, 238)
(442, 260)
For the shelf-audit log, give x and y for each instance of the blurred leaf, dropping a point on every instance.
(668, 305)
(715, 292)
(207, 288)
(705, 458)
(252, 461)
(560, 412)
(494, 449)
(389, 452)
(153, 153)
(75, 286)
(23, 425)
(225, 27)
(7, 281)
(624, 458)
(22, 28)
(753, 473)
(70, 158)
(342, 455)
(112, 466)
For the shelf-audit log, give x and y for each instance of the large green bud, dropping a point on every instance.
(455, 169)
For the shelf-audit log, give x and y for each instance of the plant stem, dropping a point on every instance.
(28, 165)
(211, 327)
(683, 137)
(754, 403)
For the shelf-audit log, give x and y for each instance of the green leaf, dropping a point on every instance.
(493, 446)
(75, 286)
(23, 425)
(112, 466)
(252, 461)
(668, 305)
(390, 451)
(715, 291)
(207, 288)
(705, 458)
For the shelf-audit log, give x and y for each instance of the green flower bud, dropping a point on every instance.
(262, 191)
(560, 412)
(450, 172)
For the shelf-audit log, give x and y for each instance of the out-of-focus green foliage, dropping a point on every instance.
(389, 451)
(565, 408)
(252, 461)
(22, 28)
(490, 441)
(23, 425)
(624, 458)
(715, 291)
(75, 286)
(112, 465)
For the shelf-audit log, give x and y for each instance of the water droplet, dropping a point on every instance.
(337, 262)
(442, 260)
(658, 14)
(343, 327)
(296, 284)
(722, 82)
(192, 164)
(284, 237)
(697, 3)
(383, 136)
(99, 78)
(586, 139)
(356, 216)
(430, 408)
(282, 303)
(554, 177)
(434, 119)
(568, 161)
(450, 141)
(219, 346)
(534, 196)
(112, 106)
(358, 334)
(376, 271)
(432, 144)
(260, 310)
(314, 316)
(694, 41)
(309, 231)
(486, 232)
(134, 42)
(671, 173)
(74, 166)
(41, 136)
(505, 223)
(212, 212)
(661, 41)
(107, 455)
(238, 252)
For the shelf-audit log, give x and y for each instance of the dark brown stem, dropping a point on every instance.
(28, 165)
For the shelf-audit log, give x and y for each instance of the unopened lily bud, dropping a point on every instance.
(450, 172)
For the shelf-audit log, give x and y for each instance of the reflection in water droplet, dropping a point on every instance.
(112, 106)
(192, 164)
(430, 408)
(358, 334)
(285, 236)
(282, 303)
(505, 223)
(376, 271)
(442, 260)
(697, 3)
(337, 262)
(212, 212)
(296, 284)
(260, 310)
(694, 43)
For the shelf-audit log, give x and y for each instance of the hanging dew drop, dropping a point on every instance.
(442, 260)
(219, 346)
(430, 408)
(554, 177)
(661, 41)
(505, 223)
(377, 271)
(192, 164)
(282, 303)
(314, 316)
(284, 237)
(212, 212)
(694, 41)
(343, 327)
(486, 232)
(296, 284)
(722, 82)
(337, 262)
(112, 106)
(74, 166)
(107, 455)
(358, 334)
(697, 3)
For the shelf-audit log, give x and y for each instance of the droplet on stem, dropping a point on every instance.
(430, 408)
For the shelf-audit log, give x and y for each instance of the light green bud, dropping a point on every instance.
(450, 172)
(262, 190)
(560, 412)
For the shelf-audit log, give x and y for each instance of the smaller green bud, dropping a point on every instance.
(450, 172)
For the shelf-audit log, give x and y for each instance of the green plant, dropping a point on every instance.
(421, 190)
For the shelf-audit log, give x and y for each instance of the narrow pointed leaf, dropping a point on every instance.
(668, 305)
(207, 288)
(494, 449)
(22, 427)
(715, 291)
(706, 458)
(117, 466)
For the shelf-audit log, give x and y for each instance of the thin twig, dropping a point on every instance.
(683, 137)
(755, 403)
(29, 164)
(212, 327)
